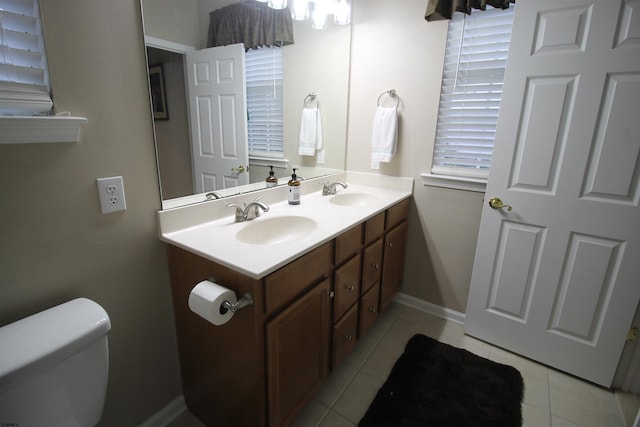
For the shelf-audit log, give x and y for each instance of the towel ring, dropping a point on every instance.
(310, 98)
(392, 93)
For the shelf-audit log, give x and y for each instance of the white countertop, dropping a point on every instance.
(208, 229)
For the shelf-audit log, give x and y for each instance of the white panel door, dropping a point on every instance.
(218, 117)
(557, 279)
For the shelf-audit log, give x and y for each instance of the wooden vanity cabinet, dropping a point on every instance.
(263, 366)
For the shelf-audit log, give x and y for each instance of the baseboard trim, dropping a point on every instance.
(167, 414)
(427, 307)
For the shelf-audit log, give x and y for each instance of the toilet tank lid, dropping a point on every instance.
(38, 341)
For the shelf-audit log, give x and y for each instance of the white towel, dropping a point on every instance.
(385, 136)
(310, 132)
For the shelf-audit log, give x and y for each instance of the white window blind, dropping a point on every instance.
(264, 102)
(475, 61)
(24, 86)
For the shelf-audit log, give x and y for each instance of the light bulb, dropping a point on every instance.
(277, 4)
(342, 12)
(319, 16)
(300, 10)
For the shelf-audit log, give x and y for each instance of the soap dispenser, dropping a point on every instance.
(272, 181)
(294, 189)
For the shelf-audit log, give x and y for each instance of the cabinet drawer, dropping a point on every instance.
(371, 265)
(397, 213)
(369, 309)
(348, 243)
(282, 286)
(347, 286)
(344, 335)
(373, 228)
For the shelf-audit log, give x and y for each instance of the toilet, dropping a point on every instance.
(54, 366)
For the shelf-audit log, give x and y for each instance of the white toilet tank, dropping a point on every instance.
(54, 366)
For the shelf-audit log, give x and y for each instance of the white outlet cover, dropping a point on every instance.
(111, 194)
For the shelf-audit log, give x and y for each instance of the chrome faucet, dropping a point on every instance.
(329, 188)
(212, 195)
(243, 214)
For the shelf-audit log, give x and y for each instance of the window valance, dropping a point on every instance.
(444, 9)
(252, 23)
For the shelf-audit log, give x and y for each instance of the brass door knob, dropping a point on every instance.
(239, 169)
(496, 203)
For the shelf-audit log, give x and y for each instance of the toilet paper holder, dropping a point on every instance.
(246, 300)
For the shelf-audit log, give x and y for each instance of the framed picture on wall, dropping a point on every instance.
(158, 96)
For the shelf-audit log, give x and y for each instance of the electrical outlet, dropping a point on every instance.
(111, 194)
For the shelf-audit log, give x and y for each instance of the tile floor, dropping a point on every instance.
(552, 398)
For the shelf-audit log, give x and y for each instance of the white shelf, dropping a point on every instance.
(40, 129)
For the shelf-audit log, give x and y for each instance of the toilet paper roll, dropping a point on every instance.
(206, 300)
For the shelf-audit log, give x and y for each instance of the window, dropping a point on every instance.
(475, 61)
(264, 102)
(23, 67)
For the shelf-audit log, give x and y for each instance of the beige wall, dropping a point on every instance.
(177, 21)
(393, 47)
(54, 243)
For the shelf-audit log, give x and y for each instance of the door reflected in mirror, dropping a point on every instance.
(318, 62)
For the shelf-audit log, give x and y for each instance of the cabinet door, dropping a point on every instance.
(347, 286)
(371, 265)
(298, 353)
(369, 309)
(393, 264)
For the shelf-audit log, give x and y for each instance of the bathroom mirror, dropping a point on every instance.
(318, 62)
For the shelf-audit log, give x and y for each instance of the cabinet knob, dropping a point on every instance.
(373, 309)
(348, 337)
(390, 244)
(350, 288)
(331, 294)
(376, 266)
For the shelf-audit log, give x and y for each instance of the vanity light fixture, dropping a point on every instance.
(316, 10)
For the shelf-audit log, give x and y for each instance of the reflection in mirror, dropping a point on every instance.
(318, 62)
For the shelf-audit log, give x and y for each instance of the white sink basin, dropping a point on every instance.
(353, 199)
(281, 229)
